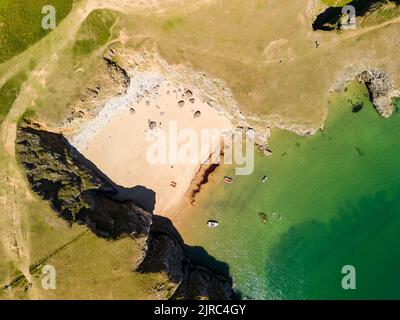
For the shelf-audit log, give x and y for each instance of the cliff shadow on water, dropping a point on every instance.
(200, 256)
(80, 193)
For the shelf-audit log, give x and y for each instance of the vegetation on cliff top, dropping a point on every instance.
(21, 23)
(94, 32)
(9, 91)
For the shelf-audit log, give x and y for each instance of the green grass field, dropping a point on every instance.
(21, 23)
(94, 32)
(335, 3)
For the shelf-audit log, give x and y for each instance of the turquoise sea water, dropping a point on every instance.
(332, 199)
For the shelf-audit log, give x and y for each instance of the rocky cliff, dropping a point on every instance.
(80, 193)
(382, 90)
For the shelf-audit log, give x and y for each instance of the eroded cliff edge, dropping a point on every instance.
(81, 194)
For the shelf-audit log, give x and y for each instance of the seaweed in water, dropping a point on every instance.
(359, 151)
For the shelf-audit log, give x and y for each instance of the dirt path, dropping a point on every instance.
(361, 31)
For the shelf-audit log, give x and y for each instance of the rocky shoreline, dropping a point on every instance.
(379, 83)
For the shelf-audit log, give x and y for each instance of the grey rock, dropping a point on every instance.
(381, 89)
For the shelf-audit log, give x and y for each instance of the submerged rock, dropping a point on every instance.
(263, 217)
(357, 108)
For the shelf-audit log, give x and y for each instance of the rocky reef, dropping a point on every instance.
(81, 193)
(382, 90)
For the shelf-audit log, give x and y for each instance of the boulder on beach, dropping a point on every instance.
(152, 124)
(181, 103)
(189, 93)
(197, 114)
(192, 100)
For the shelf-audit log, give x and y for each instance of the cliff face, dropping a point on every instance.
(59, 174)
(80, 193)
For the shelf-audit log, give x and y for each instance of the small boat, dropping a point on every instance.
(264, 179)
(212, 223)
(228, 180)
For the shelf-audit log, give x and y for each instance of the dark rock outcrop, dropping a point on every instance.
(61, 175)
(80, 193)
(117, 73)
(382, 90)
(202, 284)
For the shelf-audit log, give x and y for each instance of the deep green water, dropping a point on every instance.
(332, 199)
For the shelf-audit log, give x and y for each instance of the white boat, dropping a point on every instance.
(264, 179)
(212, 223)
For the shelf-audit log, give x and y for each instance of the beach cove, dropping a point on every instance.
(123, 140)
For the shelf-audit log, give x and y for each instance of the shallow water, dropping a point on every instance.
(331, 200)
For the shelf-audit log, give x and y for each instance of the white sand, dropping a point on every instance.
(116, 140)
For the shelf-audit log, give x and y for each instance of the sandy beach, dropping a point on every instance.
(115, 141)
